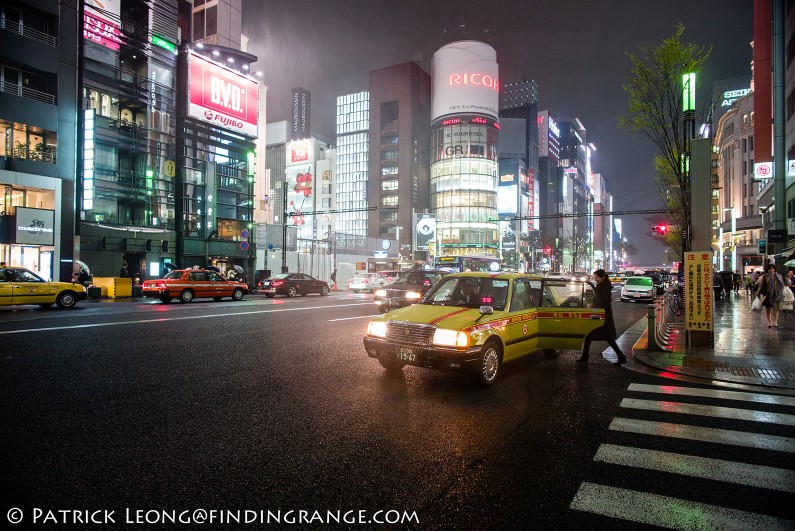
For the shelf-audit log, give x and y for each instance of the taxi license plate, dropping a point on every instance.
(408, 354)
(637, 295)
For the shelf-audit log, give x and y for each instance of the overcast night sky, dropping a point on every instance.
(575, 50)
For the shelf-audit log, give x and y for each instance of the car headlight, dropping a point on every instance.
(380, 293)
(413, 295)
(376, 328)
(450, 338)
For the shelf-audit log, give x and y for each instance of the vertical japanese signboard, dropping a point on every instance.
(698, 290)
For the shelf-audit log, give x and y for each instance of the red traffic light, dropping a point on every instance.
(547, 250)
(659, 229)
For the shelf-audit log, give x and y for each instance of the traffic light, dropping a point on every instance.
(662, 230)
(547, 250)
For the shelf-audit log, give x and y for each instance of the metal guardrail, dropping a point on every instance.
(30, 33)
(25, 92)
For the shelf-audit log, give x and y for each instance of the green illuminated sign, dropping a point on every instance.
(163, 43)
(689, 92)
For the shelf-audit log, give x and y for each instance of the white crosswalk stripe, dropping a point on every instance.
(702, 435)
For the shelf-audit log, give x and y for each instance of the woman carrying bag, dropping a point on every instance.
(771, 290)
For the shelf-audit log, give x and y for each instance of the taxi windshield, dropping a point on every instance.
(469, 292)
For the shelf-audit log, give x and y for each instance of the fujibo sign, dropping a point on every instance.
(222, 97)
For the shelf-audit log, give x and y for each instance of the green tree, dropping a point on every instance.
(654, 109)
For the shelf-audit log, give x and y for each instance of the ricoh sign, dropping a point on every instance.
(465, 80)
(221, 97)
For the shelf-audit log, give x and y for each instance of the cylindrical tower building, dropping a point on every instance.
(464, 148)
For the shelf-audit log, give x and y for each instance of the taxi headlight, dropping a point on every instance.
(377, 329)
(380, 293)
(413, 295)
(450, 338)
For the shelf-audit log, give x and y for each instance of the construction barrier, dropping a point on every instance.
(114, 287)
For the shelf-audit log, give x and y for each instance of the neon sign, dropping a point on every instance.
(477, 120)
(451, 121)
(474, 79)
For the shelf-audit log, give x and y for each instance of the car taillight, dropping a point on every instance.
(277, 283)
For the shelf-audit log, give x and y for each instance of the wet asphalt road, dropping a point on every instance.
(273, 404)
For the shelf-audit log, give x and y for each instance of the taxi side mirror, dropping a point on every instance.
(486, 310)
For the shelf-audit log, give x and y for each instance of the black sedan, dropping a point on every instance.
(292, 284)
(407, 289)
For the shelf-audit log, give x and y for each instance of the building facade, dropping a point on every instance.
(465, 148)
(400, 102)
(39, 107)
(353, 156)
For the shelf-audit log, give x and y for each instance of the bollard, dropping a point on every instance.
(653, 344)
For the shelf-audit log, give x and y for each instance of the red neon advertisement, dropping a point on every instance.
(101, 31)
(222, 97)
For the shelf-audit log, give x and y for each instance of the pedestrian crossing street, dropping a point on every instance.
(695, 458)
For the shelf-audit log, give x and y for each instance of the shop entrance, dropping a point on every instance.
(37, 258)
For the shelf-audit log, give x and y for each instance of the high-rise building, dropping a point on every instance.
(464, 148)
(353, 155)
(38, 113)
(575, 162)
(400, 102)
(551, 189)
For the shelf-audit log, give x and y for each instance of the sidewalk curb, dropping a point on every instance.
(645, 357)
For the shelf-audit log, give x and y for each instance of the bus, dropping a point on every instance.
(467, 262)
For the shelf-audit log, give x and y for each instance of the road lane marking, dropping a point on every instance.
(349, 318)
(758, 476)
(710, 435)
(709, 411)
(714, 393)
(165, 319)
(665, 511)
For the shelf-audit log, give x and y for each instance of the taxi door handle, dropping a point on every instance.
(596, 317)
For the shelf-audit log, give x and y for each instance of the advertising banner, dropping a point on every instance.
(301, 198)
(465, 80)
(424, 231)
(301, 109)
(102, 23)
(34, 226)
(300, 152)
(698, 290)
(222, 97)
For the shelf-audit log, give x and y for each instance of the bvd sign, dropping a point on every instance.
(222, 97)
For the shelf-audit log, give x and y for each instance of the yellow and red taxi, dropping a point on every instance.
(189, 284)
(22, 286)
(477, 321)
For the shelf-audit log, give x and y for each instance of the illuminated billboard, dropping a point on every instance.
(222, 97)
(102, 23)
(465, 80)
(300, 152)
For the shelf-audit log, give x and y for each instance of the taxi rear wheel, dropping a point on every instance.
(490, 364)
(237, 294)
(66, 299)
(291, 291)
(186, 296)
(552, 352)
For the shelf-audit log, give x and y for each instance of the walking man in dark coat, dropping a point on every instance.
(603, 299)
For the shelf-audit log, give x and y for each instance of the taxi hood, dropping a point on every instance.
(452, 317)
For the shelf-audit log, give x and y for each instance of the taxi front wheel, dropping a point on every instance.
(490, 364)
